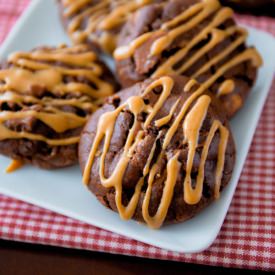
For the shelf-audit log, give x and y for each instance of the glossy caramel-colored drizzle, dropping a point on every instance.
(191, 119)
(30, 70)
(226, 87)
(14, 165)
(193, 16)
(100, 17)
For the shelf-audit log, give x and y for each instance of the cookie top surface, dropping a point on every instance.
(47, 94)
(198, 39)
(158, 152)
(98, 21)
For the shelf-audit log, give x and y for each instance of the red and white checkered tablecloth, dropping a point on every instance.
(247, 238)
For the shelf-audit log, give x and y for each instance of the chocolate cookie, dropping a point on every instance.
(46, 96)
(158, 152)
(198, 39)
(98, 22)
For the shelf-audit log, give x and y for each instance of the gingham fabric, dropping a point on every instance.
(247, 238)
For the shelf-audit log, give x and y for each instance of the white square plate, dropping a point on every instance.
(62, 191)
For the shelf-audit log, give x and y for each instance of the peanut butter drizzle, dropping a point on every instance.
(36, 69)
(190, 85)
(14, 165)
(162, 121)
(82, 102)
(124, 52)
(191, 17)
(226, 87)
(102, 18)
(191, 117)
(191, 128)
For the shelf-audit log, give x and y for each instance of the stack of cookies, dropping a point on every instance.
(158, 151)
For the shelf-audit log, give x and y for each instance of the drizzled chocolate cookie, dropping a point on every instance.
(46, 96)
(158, 152)
(98, 22)
(198, 39)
